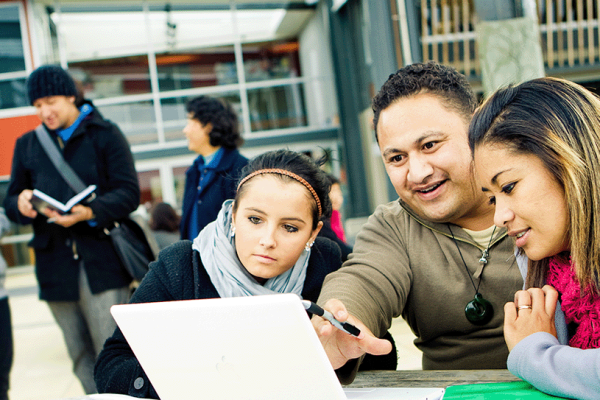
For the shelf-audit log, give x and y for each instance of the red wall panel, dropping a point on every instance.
(10, 130)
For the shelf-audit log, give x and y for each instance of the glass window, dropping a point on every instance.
(150, 187)
(13, 93)
(277, 107)
(12, 56)
(196, 68)
(177, 29)
(137, 120)
(179, 182)
(175, 115)
(101, 35)
(113, 77)
(13, 74)
(194, 48)
(271, 60)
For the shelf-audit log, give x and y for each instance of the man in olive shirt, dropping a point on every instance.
(434, 256)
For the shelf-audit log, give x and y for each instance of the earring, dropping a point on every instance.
(232, 230)
(308, 246)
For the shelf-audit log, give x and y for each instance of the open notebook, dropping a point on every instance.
(255, 347)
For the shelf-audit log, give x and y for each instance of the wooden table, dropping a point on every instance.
(412, 378)
(405, 378)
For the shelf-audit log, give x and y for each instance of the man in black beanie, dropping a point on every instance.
(77, 268)
(52, 91)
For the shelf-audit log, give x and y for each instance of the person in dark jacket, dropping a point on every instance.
(77, 268)
(6, 330)
(213, 133)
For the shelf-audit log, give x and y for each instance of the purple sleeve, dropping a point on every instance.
(556, 369)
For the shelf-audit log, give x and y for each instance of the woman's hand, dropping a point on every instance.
(341, 347)
(532, 311)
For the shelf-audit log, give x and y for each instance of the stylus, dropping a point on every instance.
(343, 326)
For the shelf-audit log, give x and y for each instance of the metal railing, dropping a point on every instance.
(569, 31)
(448, 34)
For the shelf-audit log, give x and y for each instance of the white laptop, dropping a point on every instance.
(255, 347)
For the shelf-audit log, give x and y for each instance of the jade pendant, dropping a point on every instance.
(479, 311)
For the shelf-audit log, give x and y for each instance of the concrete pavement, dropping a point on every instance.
(41, 367)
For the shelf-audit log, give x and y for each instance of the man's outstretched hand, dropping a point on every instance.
(341, 347)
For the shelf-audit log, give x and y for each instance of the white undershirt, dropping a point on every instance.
(482, 238)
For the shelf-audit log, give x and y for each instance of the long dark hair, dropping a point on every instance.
(559, 122)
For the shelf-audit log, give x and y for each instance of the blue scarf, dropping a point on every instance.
(217, 252)
(84, 111)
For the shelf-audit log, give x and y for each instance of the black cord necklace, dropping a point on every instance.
(478, 311)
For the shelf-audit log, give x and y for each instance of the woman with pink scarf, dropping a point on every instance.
(536, 149)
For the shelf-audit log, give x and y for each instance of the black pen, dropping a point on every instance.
(343, 326)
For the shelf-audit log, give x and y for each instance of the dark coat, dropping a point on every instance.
(221, 187)
(178, 274)
(100, 155)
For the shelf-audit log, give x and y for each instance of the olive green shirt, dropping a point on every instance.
(404, 266)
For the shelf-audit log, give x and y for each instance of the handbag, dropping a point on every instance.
(131, 245)
(127, 237)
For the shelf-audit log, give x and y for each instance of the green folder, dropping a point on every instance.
(493, 391)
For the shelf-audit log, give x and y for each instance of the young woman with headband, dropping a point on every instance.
(263, 242)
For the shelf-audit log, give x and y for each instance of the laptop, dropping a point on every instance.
(242, 348)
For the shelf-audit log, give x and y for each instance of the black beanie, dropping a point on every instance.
(50, 80)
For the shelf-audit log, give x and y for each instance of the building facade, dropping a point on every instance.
(300, 73)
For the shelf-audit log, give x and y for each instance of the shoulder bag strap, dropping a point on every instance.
(57, 159)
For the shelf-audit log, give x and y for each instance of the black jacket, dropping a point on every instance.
(100, 155)
(221, 187)
(178, 274)
(327, 231)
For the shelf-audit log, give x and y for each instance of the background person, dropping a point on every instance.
(164, 223)
(332, 227)
(213, 133)
(6, 333)
(337, 200)
(537, 157)
(433, 253)
(77, 268)
(262, 242)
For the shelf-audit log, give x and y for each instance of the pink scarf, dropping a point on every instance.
(584, 309)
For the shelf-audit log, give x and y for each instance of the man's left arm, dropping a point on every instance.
(121, 195)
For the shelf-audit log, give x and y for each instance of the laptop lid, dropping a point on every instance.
(254, 347)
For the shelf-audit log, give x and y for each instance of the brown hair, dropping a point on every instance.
(164, 218)
(559, 122)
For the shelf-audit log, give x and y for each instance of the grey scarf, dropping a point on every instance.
(217, 252)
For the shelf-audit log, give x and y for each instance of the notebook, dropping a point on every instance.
(496, 391)
(254, 347)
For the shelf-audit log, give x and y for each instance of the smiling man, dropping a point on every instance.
(433, 256)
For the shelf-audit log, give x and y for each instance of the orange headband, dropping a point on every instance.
(287, 173)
